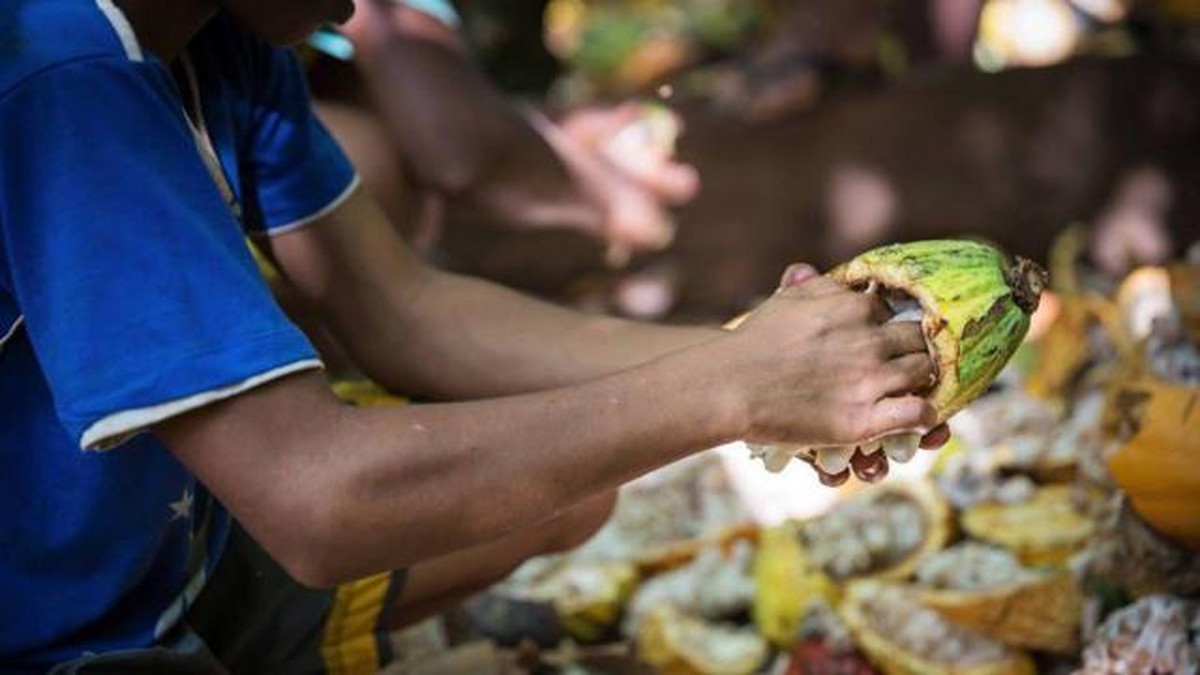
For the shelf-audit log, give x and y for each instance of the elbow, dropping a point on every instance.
(456, 157)
(310, 562)
(456, 173)
(305, 543)
(313, 572)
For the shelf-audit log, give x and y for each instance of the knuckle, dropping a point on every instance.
(916, 411)
(853, 425)
(928, 414)
(821, 325)
(877, 345)
(864, 389)
(859, 306)
(823, 284)
(919, 371)
(912, 334)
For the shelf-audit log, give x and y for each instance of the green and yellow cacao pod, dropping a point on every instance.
(976, 306)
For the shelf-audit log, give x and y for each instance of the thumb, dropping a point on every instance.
(638, 222)
(802, 280)
(797, 274)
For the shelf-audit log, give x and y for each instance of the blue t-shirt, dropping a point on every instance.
(128, 295)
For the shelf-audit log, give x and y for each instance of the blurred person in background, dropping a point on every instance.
(791, 57)
(419, 118)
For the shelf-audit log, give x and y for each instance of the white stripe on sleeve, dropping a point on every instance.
(114, 429)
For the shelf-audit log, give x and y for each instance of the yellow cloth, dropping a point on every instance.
(349, 645)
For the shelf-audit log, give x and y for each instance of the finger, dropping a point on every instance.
(901, 413)
(797, 274)
(639, 224)
(673, 182)
(904, 337)
(594, 125)
(908, 374)
(880, 311)
(870, 468)
(625, 113)
(617, 256)
(814, 287)
(833, 479)
(936, 438)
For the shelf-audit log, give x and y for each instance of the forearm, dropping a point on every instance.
(462, 137)
(422, 331)
(460, 337)
(519, 459)
(336, 493)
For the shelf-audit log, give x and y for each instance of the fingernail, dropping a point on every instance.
(797, 274)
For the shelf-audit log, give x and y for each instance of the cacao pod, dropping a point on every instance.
(986, 589)
(678, 644)
(1157, 467)
(786, 584)
(1044, 530)
(974, 307)
(903, 637)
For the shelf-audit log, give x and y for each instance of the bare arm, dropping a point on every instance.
(334, 492)
(422, 331)
(460, 136)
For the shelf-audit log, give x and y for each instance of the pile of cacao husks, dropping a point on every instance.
(1058, 532)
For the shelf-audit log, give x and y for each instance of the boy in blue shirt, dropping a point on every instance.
(141, 141)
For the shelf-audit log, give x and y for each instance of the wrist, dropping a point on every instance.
(722, 415)
(418, 22)
(376, 24)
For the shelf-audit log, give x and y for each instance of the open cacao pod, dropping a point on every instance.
(881, 532)
(1153, 410)
(1157, 467)
(1156, 634)
(903, 637)
(1085, 323)
(987, 591)
(1185, 287)
(677, 644)
(582, 600)
(1043, 530)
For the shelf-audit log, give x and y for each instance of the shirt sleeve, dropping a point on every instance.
(140, 297)
(295, 171)
(441, 10)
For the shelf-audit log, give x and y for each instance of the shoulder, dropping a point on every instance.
(41, 35)
(240, 60)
